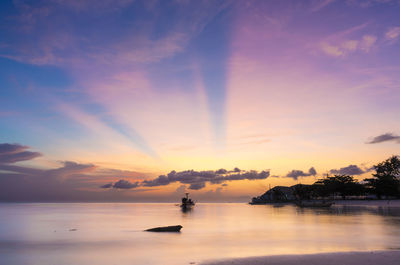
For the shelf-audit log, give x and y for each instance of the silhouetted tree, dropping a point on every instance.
(306, 192)
(345, 185)
(278, 195)
(386, 179)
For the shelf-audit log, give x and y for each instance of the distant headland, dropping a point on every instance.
(385, 184)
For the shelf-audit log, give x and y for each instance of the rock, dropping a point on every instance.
(173, 228)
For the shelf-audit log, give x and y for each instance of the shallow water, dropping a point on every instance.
(112, 233)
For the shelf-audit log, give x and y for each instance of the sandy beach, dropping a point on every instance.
(339, 258)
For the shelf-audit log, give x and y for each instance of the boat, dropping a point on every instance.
(314, 203)
(187, 203)
(172, 228)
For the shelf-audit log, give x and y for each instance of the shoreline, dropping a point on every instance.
(381, 257)
(382, 203)
(350, 202)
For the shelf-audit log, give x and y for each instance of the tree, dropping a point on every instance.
(303, 192)
(386, 179)
(345, 185)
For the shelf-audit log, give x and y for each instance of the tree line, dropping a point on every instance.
(385, 182)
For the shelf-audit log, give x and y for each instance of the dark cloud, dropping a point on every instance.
(295, 174)
(12, 148)
(198, 179)
(67, 169)
(71, 168)
(106, 186)
(160, 181)
(125, 184)
(349, 170)
(121, 184)
(69, 182)
(197, 186)
(387, 137)
(221, 171)
(12, 153)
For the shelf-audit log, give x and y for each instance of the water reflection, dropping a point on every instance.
(186, 210)
(112, 233)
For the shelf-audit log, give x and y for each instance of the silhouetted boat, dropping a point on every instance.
(172, 228)
(314, 203)
(187, 203)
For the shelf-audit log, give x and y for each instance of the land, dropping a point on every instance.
(342, 258)
(381, 203)
(377, 203)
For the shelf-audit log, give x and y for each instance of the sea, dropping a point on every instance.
(113, 233)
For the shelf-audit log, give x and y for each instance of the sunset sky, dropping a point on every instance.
(101, 99)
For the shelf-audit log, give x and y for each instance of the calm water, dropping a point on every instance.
(112, 233)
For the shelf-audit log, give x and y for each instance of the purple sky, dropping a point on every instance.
(95, 92)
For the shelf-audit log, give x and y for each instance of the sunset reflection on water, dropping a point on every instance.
(112, 233)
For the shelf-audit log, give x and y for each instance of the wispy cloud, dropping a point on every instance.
(129, 45)
(345, 47)
(386, 137)
(12, 153)
(393, 34)
(320, 4)
(370, 3)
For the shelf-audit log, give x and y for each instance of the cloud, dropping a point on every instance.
(11, 148)
(295, 174)
(181, 189)
(134, 42)
(92, 5)
(386, 137)
(367, 42)
(125, 184)
(331, 50)
(198, 179)
(350, 45)
(349, 170)
(74, 181)
(197, 186)
(71, 168)
(344, 47)
(121, 184)
(221, 171)
(106, 186)
(368, 3)
(67, 169)
(393, 33)
(70, 181)
(320, 4)
(12, 153)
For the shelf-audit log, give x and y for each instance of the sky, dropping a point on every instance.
(123, 100)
